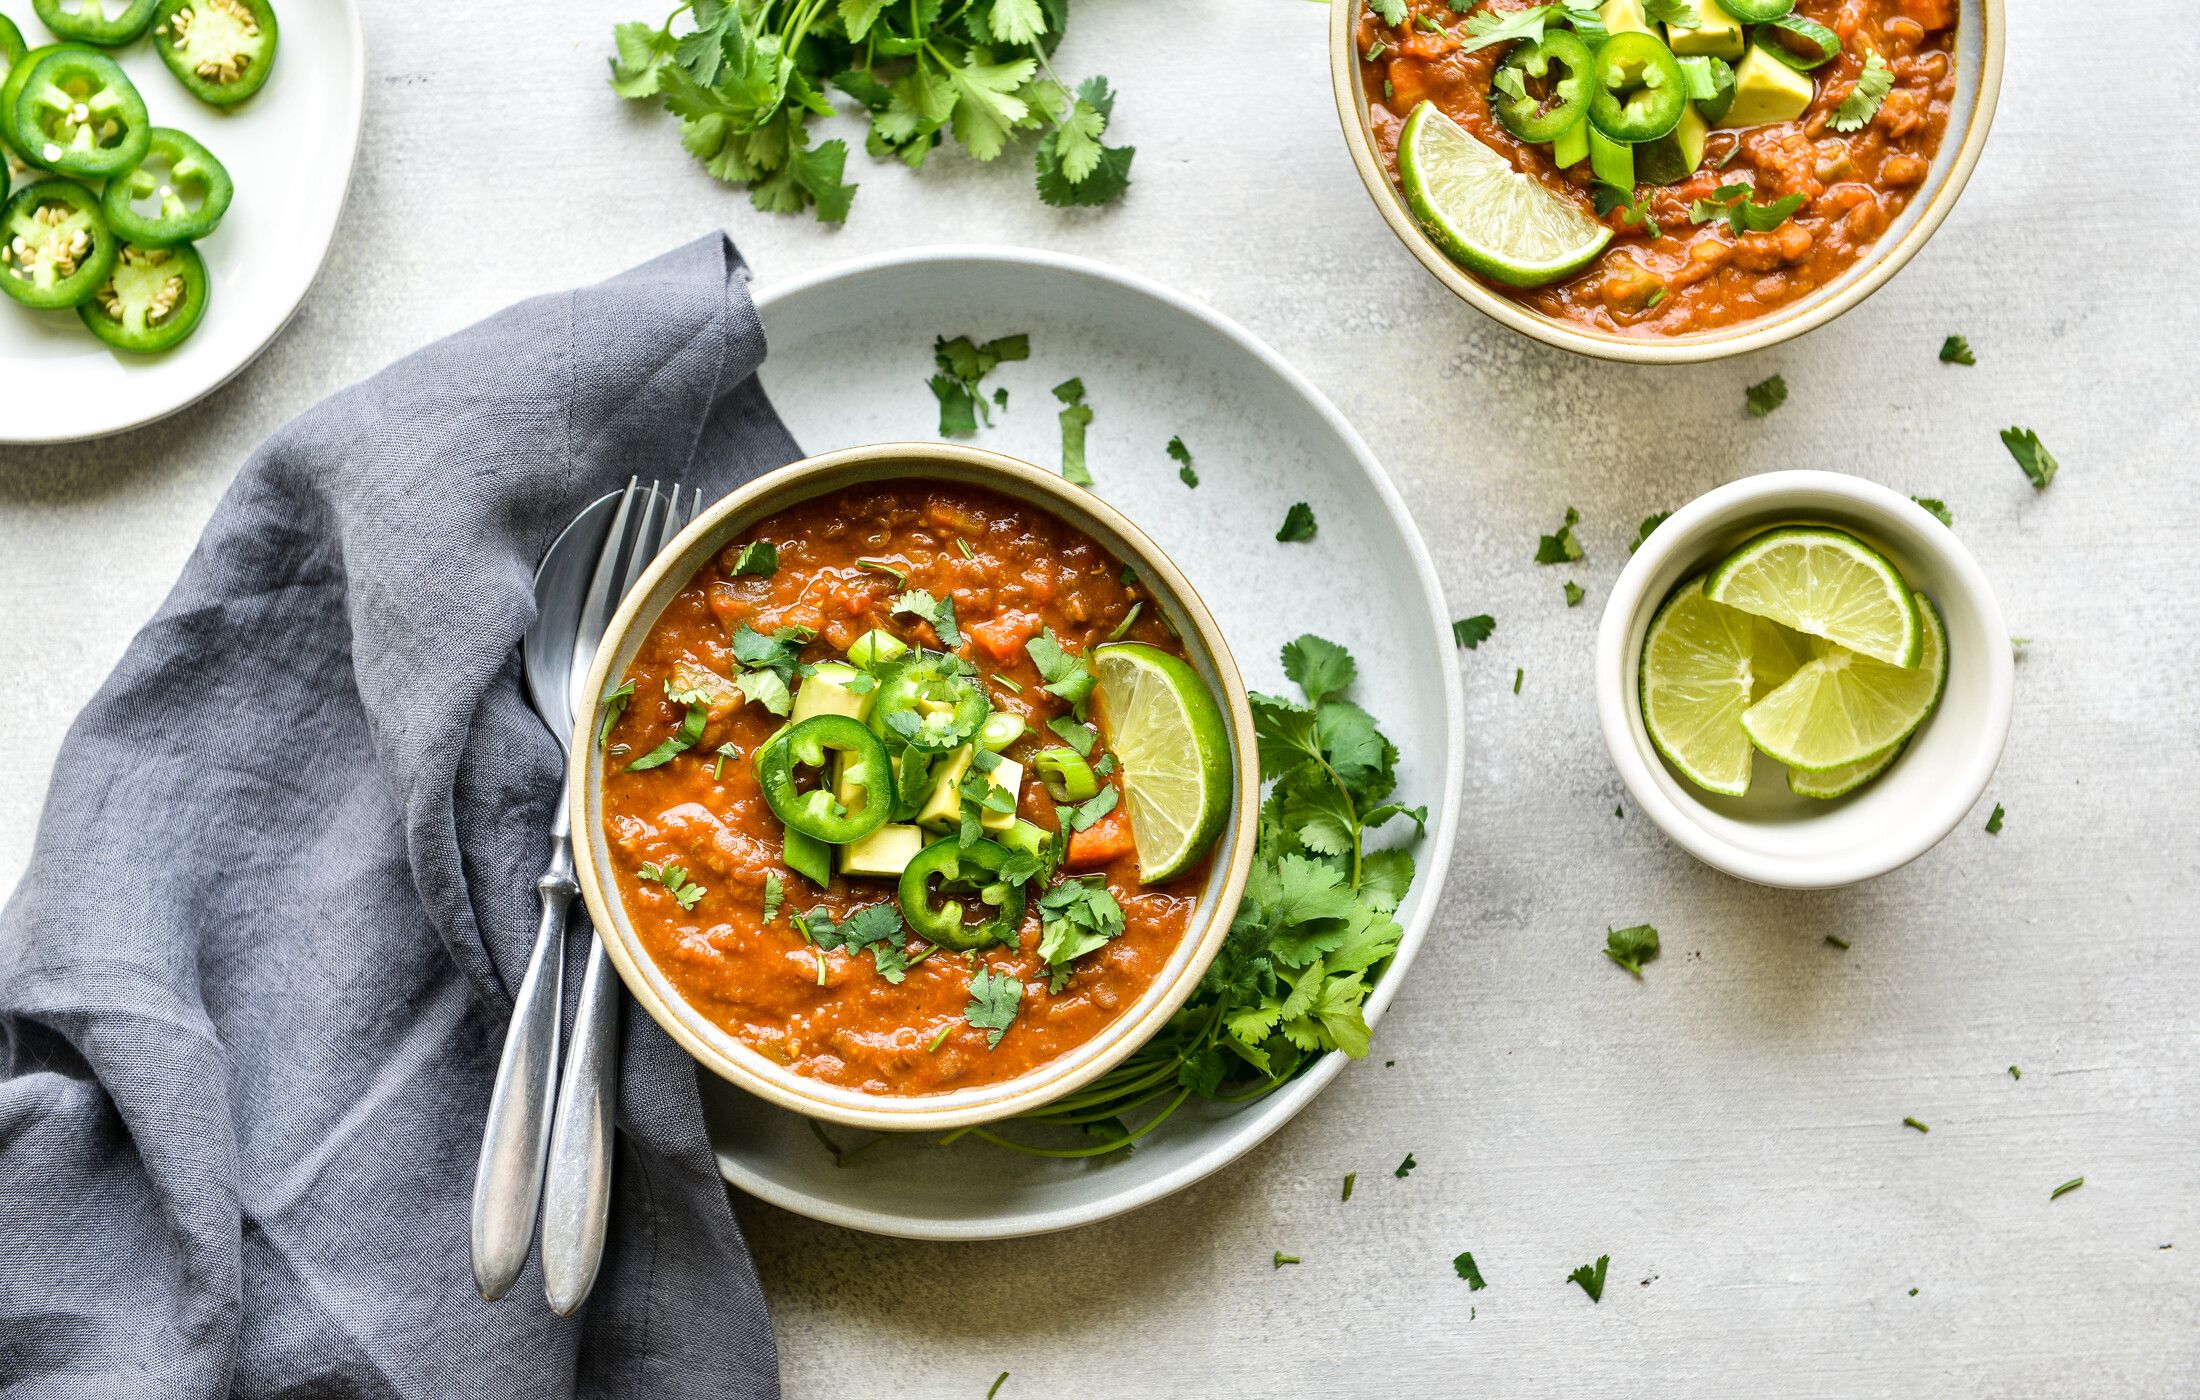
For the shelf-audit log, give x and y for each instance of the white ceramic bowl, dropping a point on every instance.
(1772, 836)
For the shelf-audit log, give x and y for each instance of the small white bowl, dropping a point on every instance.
(1772, 836)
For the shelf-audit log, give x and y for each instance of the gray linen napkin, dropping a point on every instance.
(253, 988)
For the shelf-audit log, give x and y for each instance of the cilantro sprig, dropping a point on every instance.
(746, 77)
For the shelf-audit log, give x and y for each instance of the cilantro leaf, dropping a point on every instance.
(1732, 203)
(1065, 674)
(1406, 1167)
(1471, 632)
(1492, 26)
(774, 892)
(780, 653)
(1677, 13)
(613, 705)
(940, 612)
(1562, 547)
(1862, 104)
(1591, 1277)
(1938, 509)
(1956, 350)
(675, 882)
(1574, 594)
(1391, 11)
(1627, 202)
(1183, 456)
(993, 999)
(1076, 917)
(1993, 823)
(1766, 395)
(1464, 1267)
(678, 742)
(759, 558)
(1076, 416)
(1631, 947)
(1298, 524)
(1649, 524)
(2038, 463)
(1075, 167)
(1319, 667)
(641, 49)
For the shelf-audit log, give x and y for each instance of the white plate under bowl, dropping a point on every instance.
(851, 350)
(289, 149)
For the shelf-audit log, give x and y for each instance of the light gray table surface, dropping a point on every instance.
(1730, 1129)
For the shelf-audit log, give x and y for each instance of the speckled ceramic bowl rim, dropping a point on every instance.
(724, 1054)
(1681, 544)
(1881, 263)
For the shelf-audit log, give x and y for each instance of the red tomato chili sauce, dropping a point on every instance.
(1013, 573)
(1699, 277)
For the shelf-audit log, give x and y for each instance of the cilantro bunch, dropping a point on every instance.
(1316, 925)
(746, 76)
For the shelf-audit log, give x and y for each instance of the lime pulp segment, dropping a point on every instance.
(1167, 733)
(1826, 583)
(1700, 671)
(1845, 708)
(1489, 216)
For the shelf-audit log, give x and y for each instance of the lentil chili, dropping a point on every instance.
(1023, 570)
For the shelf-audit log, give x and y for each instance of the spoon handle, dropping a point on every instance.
(577, 1197)
(516, 1139)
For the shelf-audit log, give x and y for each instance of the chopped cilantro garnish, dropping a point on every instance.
(2039, 464)
(1464, 1267)
(1631, 947)
(999, 1380)
(1183, 456)
(1993, 823)
(678, 742)
(1574, 594)
(1837, 941)
(1561, 548)
(774, 892)
(1938, 509)
(1677, 13)
(875, 927)
(780, 653)
(1116, 633)
(1649, 524)
(940, 612)
(1767, 395)
(1078, 736)
(614, 704)
(2015, 1073)
(1956, 350)
(1065, 674)
(1520, 673)
(880, 566)
(1085, 813)
(758, 557)
(718, 764)
(1349, 1178)
(1862, 103)
(993, 998)
(1391, 11)
(964, 545)
(674, 879)
(1591, 1277)
(962, 363)
(1471, 632)
(1914, 1123)
(1076, 917)
(1076, 416)
(1283, 1259)
(1406, 1167)
(1298, 524)
(1732, 203)
(2066, 1188)
(1632, 209)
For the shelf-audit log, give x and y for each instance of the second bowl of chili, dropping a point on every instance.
(846, 718)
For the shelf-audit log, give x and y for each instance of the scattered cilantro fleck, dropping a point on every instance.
(1183, 456)
(759, 558)
(1631, 207)
(1649, 524)
(1519, 674)
(940, 612)
(1862, 104)
(995, 1388)
(1283, 1259)
(876, 928)
(1732, 203)
(1406, 1167)
(1464, 1267)
(1574, 594)
(1631, 947)
(674, 879)
(1076, 416)
(940, 1039)
(1562, 547)
(1955, 350)
(1837, 941)
(2038, 463)
(1117, 632)
(1065, 674)
(676, 743)
(1349, 1178)
(2015, 1073)
(880, 566)
(1076, 917)
(961, 363)
(1993, 823)
(1914, 1123)
(773, 893)
(1591, 1277)
(1298, 524)
(1471, 632)
(1617, 813)
(2066, 1188)
(1938, 509)
(993, 998)
(1084, 814)
(718, 764)
(1767, 395)
(1913, 1293)
(614, 704)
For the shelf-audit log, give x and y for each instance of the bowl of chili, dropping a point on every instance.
(775, 877)
(1741, 229)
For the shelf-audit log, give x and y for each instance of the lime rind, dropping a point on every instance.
(1488, 216)
(1167, 732)
(1697, 678)
(1840, 782)
(1845, 708)
(1825, 583)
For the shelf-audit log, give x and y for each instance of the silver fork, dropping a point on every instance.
(522, 1129)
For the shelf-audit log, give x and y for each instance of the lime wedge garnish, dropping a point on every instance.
(1487, 215)
(1839, 782)
(1827, 583)
(1845, 708)
(1167, 733)
(1700, 671)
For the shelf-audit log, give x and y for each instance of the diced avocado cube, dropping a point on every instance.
(1623, 16)
(884, 854)
(806, 855)
(1766, 90)
(848, 785)
(1611, 161)
(875, 648)
(1571, 149)
(825, 692)
(943, 807)
(1007, 775)
(1692, 133)
(1715, 32)
(1674, 156)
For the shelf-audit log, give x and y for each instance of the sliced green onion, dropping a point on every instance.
(1809, 31)
(1007, 684)
(1125, 625)
(876, 648)
(1000, 730)
(1068, 777)
(880, 566)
